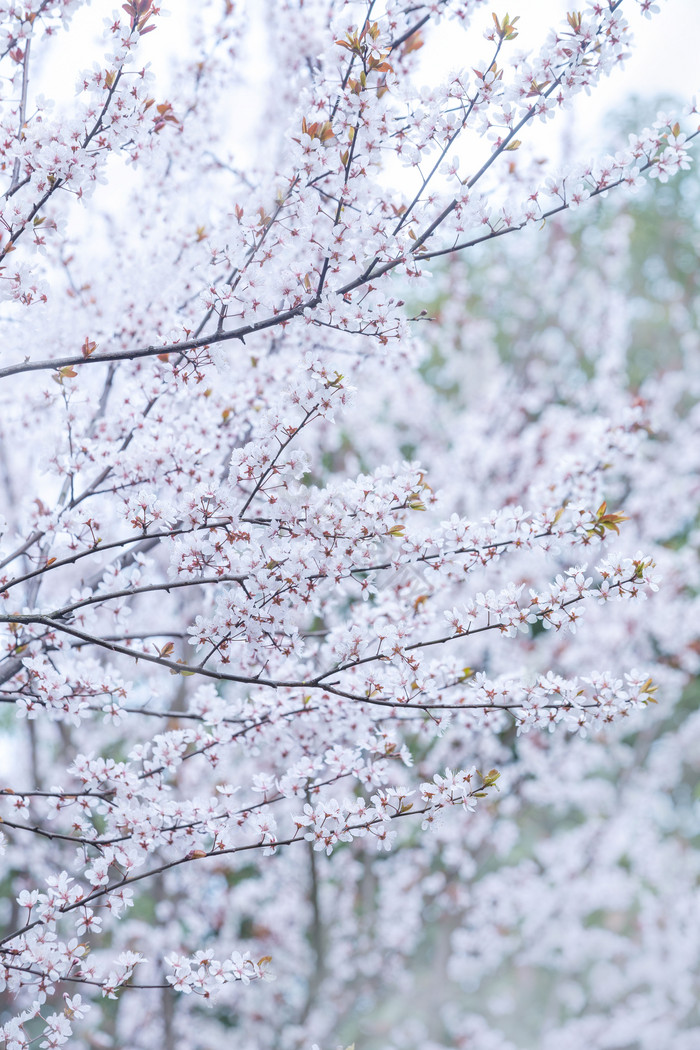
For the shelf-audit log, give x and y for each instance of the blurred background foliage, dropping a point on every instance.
(496, 310)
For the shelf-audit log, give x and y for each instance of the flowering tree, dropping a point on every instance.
(291, 570)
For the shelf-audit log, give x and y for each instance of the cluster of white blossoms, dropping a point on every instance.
(293, 570)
